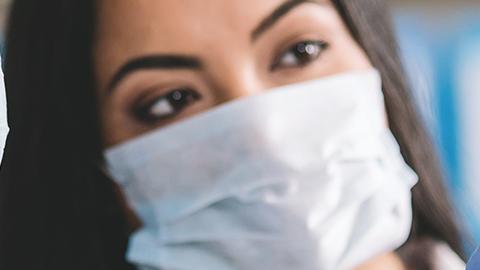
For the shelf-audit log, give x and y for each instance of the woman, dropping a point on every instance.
(82, 76)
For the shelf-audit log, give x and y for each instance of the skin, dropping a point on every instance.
(234, 64)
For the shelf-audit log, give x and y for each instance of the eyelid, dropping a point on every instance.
(157, 90)
(143, 110)
(278, 56)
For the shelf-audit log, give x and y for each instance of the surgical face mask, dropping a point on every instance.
(3, 115)
(306, 176)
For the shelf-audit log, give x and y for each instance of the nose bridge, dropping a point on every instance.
(238, 80)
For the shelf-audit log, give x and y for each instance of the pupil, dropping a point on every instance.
(177, 99)
(180, 98)
(301, 48)
(306, 47)
(177, 95)
(305, 51)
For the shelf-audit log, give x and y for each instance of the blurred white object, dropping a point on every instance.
(3, 115)
(445, 259)
(468, 83)
(306, 176)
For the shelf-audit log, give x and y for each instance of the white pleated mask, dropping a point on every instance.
(306, 176)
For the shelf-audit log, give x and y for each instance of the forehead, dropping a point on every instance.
(129, 28)
(176, 20)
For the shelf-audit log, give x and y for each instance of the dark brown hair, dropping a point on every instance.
(58, 211)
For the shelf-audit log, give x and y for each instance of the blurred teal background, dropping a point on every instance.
(440, 43)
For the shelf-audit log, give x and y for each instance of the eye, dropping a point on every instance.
(300, 54)
(166, 106)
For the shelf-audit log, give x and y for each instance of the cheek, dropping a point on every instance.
(117, 125)
(346, 54)
(111, 133)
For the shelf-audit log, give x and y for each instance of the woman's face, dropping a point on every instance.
(158, 62)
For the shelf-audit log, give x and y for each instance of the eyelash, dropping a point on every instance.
(174, 101)
(312, 49)
(178, 99)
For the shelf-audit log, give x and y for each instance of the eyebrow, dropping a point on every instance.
(276, 15)
(170, 61)
(149, 62)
